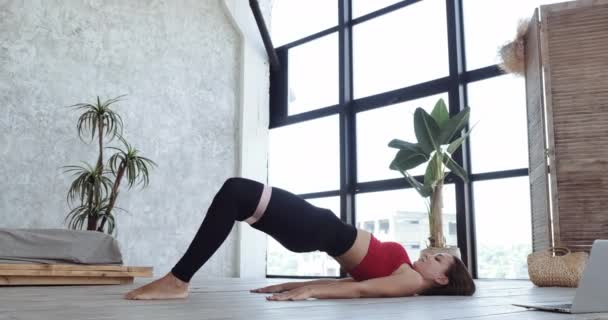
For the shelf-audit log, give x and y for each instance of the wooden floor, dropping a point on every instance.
(230, 299)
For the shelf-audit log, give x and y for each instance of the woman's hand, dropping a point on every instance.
(271, 289)
(294, 285)
(301, 293)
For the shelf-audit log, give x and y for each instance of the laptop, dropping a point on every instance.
(591, 294)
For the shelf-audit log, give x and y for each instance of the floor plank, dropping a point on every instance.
(230, 299)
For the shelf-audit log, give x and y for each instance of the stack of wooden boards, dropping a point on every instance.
(69, 274)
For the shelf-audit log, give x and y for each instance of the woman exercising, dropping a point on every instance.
(377, 269)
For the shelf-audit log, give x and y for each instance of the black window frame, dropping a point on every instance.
(455, 84)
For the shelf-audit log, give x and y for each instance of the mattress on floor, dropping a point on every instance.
(58, 246)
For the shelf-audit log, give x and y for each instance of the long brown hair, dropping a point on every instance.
(460, 282)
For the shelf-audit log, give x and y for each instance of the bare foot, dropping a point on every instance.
(167, 287)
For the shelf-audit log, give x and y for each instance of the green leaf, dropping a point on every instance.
(427, 131)
(406, 159)
(400, 144)
(456, 143)
(431, 174)
(440, 113)
(456, 168)
(422, 189)
(453, 126)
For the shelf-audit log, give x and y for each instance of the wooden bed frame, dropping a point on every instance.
(69, 274)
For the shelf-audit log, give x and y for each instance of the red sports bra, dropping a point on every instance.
(381, 260)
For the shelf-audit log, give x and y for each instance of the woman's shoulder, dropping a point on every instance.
(405, 268)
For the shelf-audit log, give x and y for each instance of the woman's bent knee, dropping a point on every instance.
(243, 192)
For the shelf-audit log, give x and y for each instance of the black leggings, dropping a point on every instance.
(295, 223)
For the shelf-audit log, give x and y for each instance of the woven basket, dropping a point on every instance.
(556, 267)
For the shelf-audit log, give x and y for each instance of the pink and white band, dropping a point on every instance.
(259, 211)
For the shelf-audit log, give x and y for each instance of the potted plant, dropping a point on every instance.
(438, 137)
(96, 192)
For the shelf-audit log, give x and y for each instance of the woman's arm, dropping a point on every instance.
(407, 283)
(404, 284)
(294, 285)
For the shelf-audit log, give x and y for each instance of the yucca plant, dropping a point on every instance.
(130, 163)
(83, 212)
(96, 192)
(438, 137)
(90, 187)
(99, 117)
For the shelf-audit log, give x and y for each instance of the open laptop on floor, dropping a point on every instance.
(592, 292)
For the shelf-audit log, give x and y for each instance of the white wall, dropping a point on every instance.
(254, 102)
(185, 66)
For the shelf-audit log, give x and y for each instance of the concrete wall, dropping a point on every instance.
(180, 64)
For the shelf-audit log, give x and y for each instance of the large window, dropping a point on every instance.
(400, 216)
(305, 157)
(306, 62)
(352, 73)
(490, 23)
(502, 215)
(386, 56)
(375, 128)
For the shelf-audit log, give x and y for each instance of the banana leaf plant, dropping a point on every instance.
(438, 135)
(92, 189)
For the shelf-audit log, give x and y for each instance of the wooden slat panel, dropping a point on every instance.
(539, 182)
(576, 49)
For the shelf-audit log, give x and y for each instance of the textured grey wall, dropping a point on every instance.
(178, 63)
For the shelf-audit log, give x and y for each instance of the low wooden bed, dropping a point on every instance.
(69, 274)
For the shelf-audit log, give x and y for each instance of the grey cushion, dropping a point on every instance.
(58, 246)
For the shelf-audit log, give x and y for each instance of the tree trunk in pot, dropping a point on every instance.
(114, 194)
(91, 220)
(437, 240)
(436, 218)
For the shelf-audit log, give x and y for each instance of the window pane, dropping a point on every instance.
(293, 20)
(488, 24)
(304, 157)
(362, 7)
(502, 227)
(281, 261)
(499, 141)
(399, 49)
(376, 128)
(313, 75)
(404, 214)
